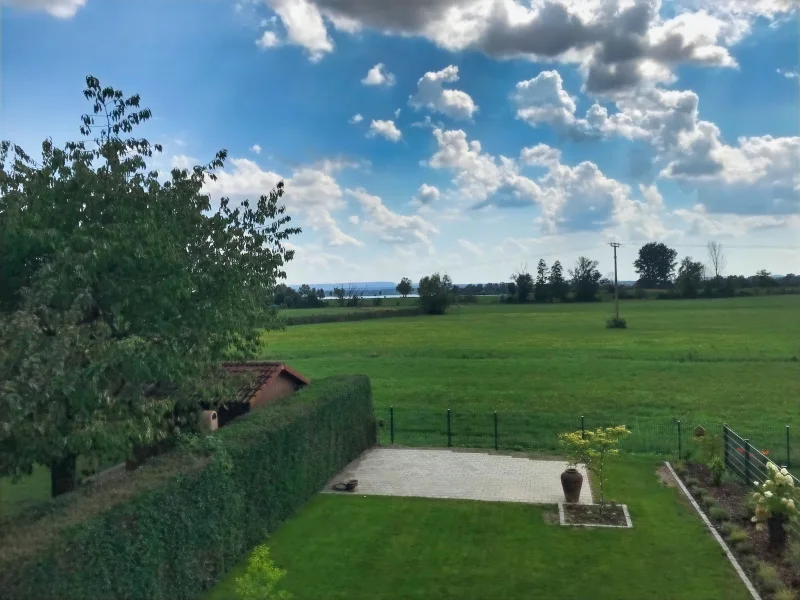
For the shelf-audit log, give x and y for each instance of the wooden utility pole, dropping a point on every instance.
(615, 245)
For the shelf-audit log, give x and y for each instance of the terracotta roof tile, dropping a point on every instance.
(262, 372)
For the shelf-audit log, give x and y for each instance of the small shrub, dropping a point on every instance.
(768, 577)
(700, 492)
(261, 579)
(616, 323)
(728, 528)
(680, 469)
(377, 302)
(717, 467)
(718, 514)
(738, 536)
(692, 481)
(792, 556)
(784, 593)
(745, 548)
(709, 502)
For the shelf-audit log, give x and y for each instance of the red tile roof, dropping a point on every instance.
(263, 372)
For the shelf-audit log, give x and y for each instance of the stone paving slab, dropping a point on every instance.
(458, 474)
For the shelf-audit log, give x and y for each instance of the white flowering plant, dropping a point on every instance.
(776, 497)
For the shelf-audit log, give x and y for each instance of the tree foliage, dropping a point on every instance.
(303, 297)
(558, 285)
(655, 265)
(585, 279)
(690, 278)
(540, 290)
(435, 293)
(523, 282)
(262, 579)
(404, 288)
(120, 294)
(340, 294)
(591, 448)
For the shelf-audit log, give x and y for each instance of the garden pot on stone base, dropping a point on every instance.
(777, 533)
(571, 483)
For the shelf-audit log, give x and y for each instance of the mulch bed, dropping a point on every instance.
(589, 514)
(733, 496)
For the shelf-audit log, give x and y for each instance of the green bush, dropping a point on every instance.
(680, 469)
(700, 492)
(709, 502)
(738, 536)
(784, 593)
(768, 577)
(692, 481)
(262, 578)
(717, 467)
(172, 528)
(616, 323)
(718, 514)
(728, 528)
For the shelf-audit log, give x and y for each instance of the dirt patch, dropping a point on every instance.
(591, 514)
(666, 477)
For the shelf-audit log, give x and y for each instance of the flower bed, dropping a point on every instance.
(730, 507)
(590, 515)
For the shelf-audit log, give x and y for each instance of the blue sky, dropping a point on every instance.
(526, 129)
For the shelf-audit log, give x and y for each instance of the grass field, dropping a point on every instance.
(381, 548)
(723, 359)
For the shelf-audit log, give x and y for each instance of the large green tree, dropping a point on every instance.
(523, 282)
(585, 279)
(655, 265)
(404, 288)
(435, 293)
(556, 282)
(540, 291)
(690, 278)
(120, 293)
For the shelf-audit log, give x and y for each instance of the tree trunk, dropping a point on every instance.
(63, 475)
(777, 533)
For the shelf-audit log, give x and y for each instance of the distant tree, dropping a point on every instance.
(511, 289)
(404, 288)
(340, 294)
(558, 285)
(435, 293)
(690, 278)
(540, 291)
(321, 294)
(354, 295)
(120, 293)
(716, 259)
(765, 279)
(585, 279)
(524, 282)
(655, 265)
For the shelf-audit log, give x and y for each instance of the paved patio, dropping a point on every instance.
(458, 474)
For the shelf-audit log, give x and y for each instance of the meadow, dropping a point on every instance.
(732, 360)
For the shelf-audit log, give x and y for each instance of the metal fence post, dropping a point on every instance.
(725, 444)
(449, 433)
(391, 424)
(496, 445)
(747, 461)
(680, 451)
(583, 429)
(788, 454)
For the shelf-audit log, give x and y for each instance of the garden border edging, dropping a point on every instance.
(731, 558)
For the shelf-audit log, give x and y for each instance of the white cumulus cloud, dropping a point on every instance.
(385, 129)
(379, 76)
(432, 96)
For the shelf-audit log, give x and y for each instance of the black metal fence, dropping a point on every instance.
(537, 432)
(744, 459)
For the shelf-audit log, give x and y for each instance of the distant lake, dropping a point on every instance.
(390, 296)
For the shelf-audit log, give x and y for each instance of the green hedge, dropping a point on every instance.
(363, 315)
(172, 528)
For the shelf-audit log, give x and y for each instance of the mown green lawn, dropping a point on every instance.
(380, 548)
(730, 360)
